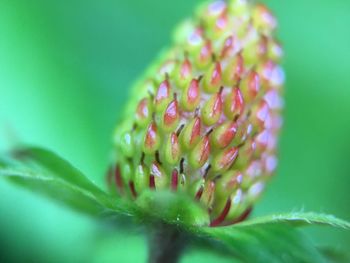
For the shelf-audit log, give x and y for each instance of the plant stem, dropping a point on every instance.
(166, 244)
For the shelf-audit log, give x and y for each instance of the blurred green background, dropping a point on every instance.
(65, 69)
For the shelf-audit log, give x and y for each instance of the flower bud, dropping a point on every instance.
(184, 73)
(163, 95)
(191, 96)
(171, 116)
(234, 104)
(205, 119)
(225, 159)
(223, 135)
(152, 140)
(141, 178)
(172, 149)
(200, 154)
(204, 56)
(212, 79)
(234, 70)
(143, 112)
(158, 177)
(191, 134)
(212, 109)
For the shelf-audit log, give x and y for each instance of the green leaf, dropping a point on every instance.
(274, 243)
(298, 219)
(273, 238)
(54, 165)
(335, 255)
(42, 171)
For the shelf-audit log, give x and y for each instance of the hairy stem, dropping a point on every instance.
(166, 244)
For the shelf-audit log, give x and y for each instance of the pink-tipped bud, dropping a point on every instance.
(205, 55)
(234, 104)
(225, 159)
(171, 116)
(260, 114)
(251, 86)
(228, 47)
(212, 110)
(228, 183)
(216, 8)
(163, 94)
(191, 134)
(166, 69)
(172, 149)
(262, 140)
(207, 196)
(186, 69)
(200, 154)
(143, 112)
(221, 24)
(263, 18)
(151, 141)
(191, 96)
(184, 73)
(246, 153)
(224, 134)
(158, 178)
(233, 72)
(194, 39)
(212, 79)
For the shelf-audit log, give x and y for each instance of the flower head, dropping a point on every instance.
(204, 119)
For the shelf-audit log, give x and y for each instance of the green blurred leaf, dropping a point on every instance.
(298, 219)
(334, 255)
(273, 243)
(43, 171)
(273, 238)
(55, 166)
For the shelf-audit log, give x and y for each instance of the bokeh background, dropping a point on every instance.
(65, 69)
